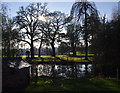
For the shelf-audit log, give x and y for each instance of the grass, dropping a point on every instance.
(58, 58)
(70, 84)
(74, 59)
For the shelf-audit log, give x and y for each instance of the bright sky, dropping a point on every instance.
(103, 7)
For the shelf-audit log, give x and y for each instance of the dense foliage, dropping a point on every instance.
(9, 41)
(106, 47)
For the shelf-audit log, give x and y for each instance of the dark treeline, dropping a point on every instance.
(106, 48)
(9, 41)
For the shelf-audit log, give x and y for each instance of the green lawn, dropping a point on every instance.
(58, 58)
(69, 84)
(74, 59)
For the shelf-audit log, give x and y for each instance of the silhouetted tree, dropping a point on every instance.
(8, 34)
(106, 47)
(93, 27)
(27, 22)
(52, 28)
(73, 35)
(82, 10)
(63, 48)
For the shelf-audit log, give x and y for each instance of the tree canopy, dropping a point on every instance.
(27, 23)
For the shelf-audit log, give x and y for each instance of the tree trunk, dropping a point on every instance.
(8, 51)
(117, 73)
(32, 49)
(40, 49)
(86, 35)
(74, 51)
(53, 49)
(8, 48)
(73, 73)
(39, 54)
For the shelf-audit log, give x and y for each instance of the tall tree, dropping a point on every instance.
(27, 22)
(39, 50)
(107, 47)
(93, 22)
(52, 28)
(8, 34)
(63, 48)
(73, 35)
(82, 10)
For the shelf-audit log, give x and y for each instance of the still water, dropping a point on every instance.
(53, 70)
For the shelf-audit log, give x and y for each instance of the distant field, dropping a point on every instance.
(59, 58)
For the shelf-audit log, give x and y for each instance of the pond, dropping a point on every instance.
(55, 70)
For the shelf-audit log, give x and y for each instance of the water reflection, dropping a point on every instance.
(53, 70)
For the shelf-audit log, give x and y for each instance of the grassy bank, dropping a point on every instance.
(69, 84)
(58, 58)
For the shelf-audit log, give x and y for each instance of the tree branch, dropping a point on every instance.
(24, 41)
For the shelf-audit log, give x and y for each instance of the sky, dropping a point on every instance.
(65, 7)
(103, 7)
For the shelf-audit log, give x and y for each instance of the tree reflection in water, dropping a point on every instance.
(54, 70)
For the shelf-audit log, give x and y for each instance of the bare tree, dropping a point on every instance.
(52, 28)
(27, 22)
(82, 10)
(73, 35)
